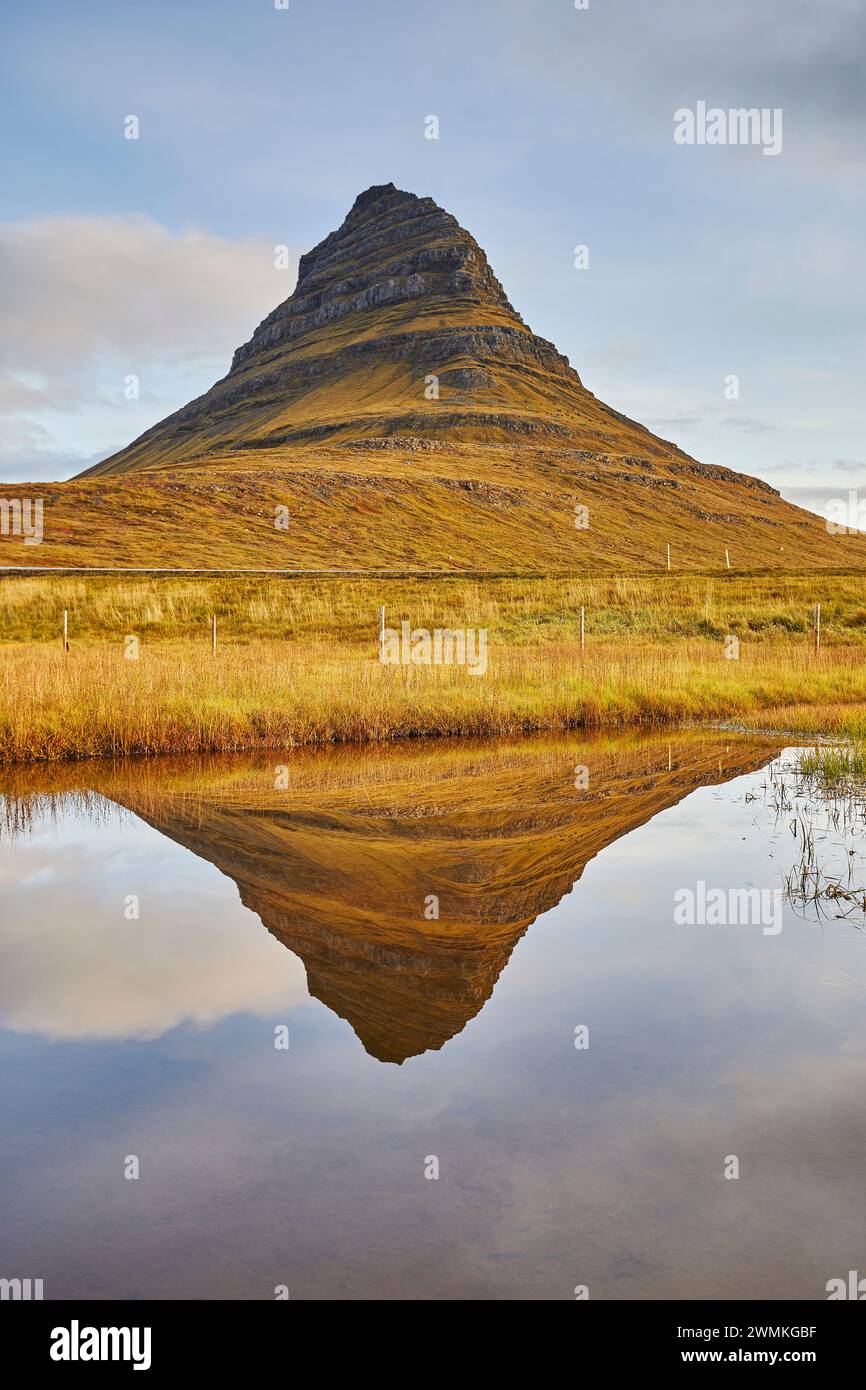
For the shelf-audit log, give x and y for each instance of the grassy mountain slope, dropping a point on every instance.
(406, 418)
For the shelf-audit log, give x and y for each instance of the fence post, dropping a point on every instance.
(669, 554)
(65, 630)
(727, 558)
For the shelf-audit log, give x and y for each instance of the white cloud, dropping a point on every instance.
(74, 967)
(88, 301)
(641, 62)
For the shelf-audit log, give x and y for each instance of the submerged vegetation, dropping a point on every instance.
(297, 660)
(820, 801)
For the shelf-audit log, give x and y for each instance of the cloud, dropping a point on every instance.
(88, 301)
(73, 967)
(748, 423)
(848, 466)
(660, 423)
(831, 501)
(820, 467)
(30, 452)
(706, 416)
(791, 54)
(127, 287)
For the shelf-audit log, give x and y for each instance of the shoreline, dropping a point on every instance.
(479, 734)
(177, 666)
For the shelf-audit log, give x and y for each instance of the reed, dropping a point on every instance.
(297, 661)
(836, 766)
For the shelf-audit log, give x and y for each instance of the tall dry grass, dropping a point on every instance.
(297, 659)
(664, 607)
(179, 698)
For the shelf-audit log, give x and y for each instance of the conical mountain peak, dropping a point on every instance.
(395, 313)
(392, 249)
(413, 420)
(375, 194)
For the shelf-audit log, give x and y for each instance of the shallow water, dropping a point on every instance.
(296, 896)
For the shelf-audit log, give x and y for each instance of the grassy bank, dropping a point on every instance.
(297, 661)
(104, 608)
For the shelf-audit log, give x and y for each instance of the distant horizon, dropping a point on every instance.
(162, 157)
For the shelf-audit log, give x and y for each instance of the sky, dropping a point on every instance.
(258, 126)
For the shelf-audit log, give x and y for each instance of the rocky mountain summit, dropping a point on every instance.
(397, 327)
(400, 411)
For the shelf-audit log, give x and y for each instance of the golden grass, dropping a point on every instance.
(174, 699)
(297, 661)
(665, 607)
(455, 509)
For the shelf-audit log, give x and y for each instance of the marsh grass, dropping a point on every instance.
(823, 804)
(834, 767)
(663, 608)
(297, 661)
(179, 698)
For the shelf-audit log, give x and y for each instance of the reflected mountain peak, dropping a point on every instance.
(343, 866)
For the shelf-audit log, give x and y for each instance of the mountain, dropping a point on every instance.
(397, 331)
(403, 415)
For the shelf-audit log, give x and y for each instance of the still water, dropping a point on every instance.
(165, 925)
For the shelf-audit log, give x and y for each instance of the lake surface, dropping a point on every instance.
(165, 925)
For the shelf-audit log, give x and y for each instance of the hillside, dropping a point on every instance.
(406, 418)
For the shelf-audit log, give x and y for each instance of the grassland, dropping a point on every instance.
(443, 506)
(297, 660)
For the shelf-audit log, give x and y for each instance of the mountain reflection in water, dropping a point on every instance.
(260, 1167)
(339, 852)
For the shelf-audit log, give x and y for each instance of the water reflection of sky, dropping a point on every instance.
(306, 1167)
(75, 966)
